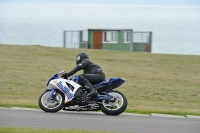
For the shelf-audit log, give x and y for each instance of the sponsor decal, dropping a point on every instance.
(65, 90)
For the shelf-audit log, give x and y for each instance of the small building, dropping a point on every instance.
(110, 39)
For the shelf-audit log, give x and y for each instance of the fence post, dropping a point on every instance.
(80, 38)
(131, 40)
(64, 39)
(89, 46)
(150, 41)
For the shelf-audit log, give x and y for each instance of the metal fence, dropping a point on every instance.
(141, 37)
(142, 40)
(74, 39)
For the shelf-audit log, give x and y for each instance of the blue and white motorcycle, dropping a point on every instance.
(69, 95)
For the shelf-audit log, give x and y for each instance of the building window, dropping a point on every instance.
(126, 37)
(110, 36)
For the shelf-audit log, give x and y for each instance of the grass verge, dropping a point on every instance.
(155, 83)
(36, 130)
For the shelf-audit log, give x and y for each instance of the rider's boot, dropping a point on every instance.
(92, 92)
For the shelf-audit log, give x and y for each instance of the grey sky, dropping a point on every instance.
(110, 2)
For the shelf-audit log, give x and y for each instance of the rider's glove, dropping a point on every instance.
(65, 75)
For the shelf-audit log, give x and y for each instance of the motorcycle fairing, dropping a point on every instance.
(60, 84)
(113, 83)
(105, 86)
(52, 78)
(75, 79)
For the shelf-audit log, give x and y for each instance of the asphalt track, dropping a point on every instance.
(97, 121)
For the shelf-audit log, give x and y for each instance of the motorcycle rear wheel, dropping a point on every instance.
(49, 104)
(116, 106)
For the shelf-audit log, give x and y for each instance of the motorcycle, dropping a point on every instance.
(69, 95)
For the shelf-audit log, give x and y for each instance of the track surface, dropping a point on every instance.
(96, 121)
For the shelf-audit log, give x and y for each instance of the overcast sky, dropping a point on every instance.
(110, 2)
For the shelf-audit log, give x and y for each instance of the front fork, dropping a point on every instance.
(52, 95)
(53, 92)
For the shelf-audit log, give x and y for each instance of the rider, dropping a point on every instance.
(93, 73)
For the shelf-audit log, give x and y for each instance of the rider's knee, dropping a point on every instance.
(81, 78)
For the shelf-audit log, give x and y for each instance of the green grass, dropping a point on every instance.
(155, 83)
(36, 130)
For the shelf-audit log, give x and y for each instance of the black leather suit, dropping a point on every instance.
(93, 73)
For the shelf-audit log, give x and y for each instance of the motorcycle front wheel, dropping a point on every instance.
(116, 106)
(49, 104)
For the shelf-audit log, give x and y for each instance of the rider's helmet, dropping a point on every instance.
(80, 57)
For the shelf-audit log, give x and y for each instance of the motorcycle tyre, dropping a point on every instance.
(50, 110)
(115, 112)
